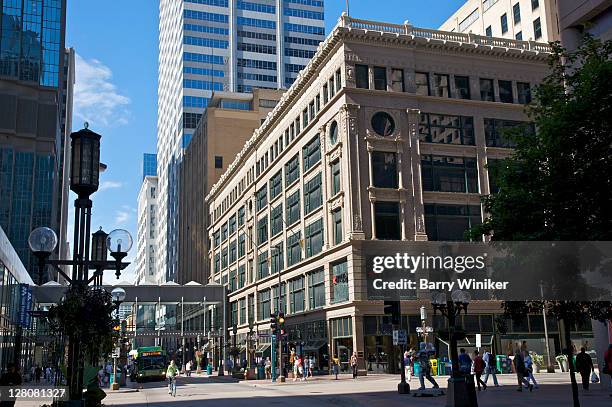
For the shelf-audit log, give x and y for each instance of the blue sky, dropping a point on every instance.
(116, 89)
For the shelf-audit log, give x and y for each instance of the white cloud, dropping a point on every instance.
(96, 99)
(124, 215)
(110, 185)
(121, 217)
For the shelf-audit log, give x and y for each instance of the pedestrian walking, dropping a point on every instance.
(268, 368)
(479, 367)
(465, 362)
(407, 365)
(296, 368)
(490, 368)
(354, 364)
(311, 365)
(584, 365)
(188, 368)
(425, 371)
(101, 377)
(335, 366)
(171, 374)
(519, 367)
(301, 367)
(529, 370)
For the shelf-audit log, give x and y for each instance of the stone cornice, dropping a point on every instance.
(350, 29)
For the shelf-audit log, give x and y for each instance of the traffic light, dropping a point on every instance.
(393, 308)
(273, 325)
(281, 323)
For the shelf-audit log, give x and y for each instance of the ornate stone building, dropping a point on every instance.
(384, 139)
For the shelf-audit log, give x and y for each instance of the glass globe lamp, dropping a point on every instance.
(42, 240)
(119, 241)
(118, 294)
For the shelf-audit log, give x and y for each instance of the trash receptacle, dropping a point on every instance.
(112, 378)
(434, 366)
(209, 369)
(441, 367)
(417, 368)
(261, 373)
(503, 365)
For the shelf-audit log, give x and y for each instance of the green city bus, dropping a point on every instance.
(149, 364)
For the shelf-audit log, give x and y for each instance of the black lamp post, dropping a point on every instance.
(458, 392)
(118, 295)
(88, 253)
(98, 253)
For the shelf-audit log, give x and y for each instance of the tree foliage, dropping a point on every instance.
(85, 315)
(557, 185)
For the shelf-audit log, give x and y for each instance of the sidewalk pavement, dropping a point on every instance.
(376, 390)
(366, 391)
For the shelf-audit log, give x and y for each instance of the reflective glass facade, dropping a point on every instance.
(33, 59)
(31, 40)
(16, 326)
(26, 185)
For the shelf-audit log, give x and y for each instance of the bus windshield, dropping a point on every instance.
(151, 363)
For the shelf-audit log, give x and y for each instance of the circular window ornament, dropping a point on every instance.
(333, 133)
(383, 124)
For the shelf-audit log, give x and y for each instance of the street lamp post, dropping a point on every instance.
(281, 315)
(458, 392)
(84, 181)
(118, 295)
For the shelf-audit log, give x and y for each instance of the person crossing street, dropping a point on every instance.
(171, 374)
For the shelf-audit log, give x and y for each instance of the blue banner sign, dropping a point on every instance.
(25, 305)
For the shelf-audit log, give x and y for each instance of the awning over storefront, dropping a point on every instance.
(262, 348)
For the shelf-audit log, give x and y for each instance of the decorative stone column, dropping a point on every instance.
(352, 169)
(417, 190)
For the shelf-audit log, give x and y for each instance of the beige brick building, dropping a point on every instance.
(227, 123)
(384, 139)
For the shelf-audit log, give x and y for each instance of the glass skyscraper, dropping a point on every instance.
(219, 45)
(32, 34)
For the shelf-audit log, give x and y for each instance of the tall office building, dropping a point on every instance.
(32, 57)
(219, 45)
(147, 224)
(533, 20)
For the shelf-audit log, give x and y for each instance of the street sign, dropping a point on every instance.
(116, 352)
(400, 337)
(478, 341)
(428, 329)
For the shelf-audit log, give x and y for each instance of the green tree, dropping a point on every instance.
(84, 318)
(557, 185)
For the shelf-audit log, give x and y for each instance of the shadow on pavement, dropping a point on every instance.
(297, 395)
